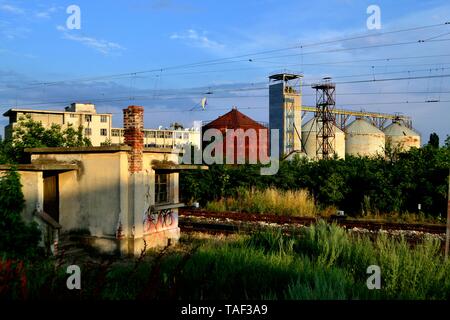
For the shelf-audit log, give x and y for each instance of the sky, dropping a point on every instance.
(166, 55)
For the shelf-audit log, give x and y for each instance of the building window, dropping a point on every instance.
(160, 134)
(103, 132)
(115, 132)
(72, 115)
(186, 136)
(87, 131)
(168, 135)
(162, 188)
(178, 135)
(103, 118)
(149, 134)
(88, 118)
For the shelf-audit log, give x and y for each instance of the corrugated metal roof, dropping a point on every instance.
(397, 129)
(234, 120)
(361, 126)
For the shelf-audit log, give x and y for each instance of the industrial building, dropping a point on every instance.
(328, 132)
(401, 136)
(309, 139)
(364, 139)
(285, 106)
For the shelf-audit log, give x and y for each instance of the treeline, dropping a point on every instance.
(397, 183)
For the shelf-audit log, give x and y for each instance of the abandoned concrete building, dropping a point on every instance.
(115, 196)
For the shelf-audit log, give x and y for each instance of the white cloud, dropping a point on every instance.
(193, 38)
(11, 9)
(46, 14)
(103, 46)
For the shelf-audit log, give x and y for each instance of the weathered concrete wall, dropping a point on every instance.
(89, 197)
(102, 194)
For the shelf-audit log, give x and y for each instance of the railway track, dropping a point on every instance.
(229, 222)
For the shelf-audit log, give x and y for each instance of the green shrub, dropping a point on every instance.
(17, 238)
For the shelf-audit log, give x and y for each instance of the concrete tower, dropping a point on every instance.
(285, 110)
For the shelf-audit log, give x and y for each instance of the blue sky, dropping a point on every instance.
(136, 35)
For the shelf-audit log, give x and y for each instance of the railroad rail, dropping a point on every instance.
(226, 222)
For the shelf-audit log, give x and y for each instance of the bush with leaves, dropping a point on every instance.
(17, 238)
(29, 133)
(357, 185)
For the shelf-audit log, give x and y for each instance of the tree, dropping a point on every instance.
(32, 134)
(176, 126)
(447, 142)
(17, 239)
(434, 140)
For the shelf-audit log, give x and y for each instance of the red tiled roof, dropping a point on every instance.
(234, 120)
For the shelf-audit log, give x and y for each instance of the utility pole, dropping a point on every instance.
(447, 240)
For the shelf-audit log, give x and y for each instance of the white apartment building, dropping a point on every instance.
(162, 138)
(98, 126)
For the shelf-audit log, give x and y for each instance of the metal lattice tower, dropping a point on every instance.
(325, 118)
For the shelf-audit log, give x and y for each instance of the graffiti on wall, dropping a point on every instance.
(155, 221)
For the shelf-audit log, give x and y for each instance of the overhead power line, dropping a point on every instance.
(231, 59)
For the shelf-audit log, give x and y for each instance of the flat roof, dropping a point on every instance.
(287, 76)
(10, 111)
(50, 166)
(101, 149)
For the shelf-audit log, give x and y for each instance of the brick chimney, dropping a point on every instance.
(133, 122)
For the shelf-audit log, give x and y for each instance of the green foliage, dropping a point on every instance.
(447, 142)
(434, 140)
(16, 237)
(357, 185)
(32, 134)
(321, 262)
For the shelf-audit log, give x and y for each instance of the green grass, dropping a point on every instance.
(320, 262)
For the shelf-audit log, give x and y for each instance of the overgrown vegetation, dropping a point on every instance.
(358, 185)
(17, 238)
(272, 201)
(321, 262)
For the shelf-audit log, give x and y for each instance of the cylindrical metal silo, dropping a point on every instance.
(309, 140)
(401, 136)
(364, 139)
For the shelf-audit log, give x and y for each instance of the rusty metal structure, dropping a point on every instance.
(325, 120)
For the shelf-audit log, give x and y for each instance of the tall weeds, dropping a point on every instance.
(271, 200)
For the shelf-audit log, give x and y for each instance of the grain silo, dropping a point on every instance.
(364, 139)
(309, 139)
(402, 136)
